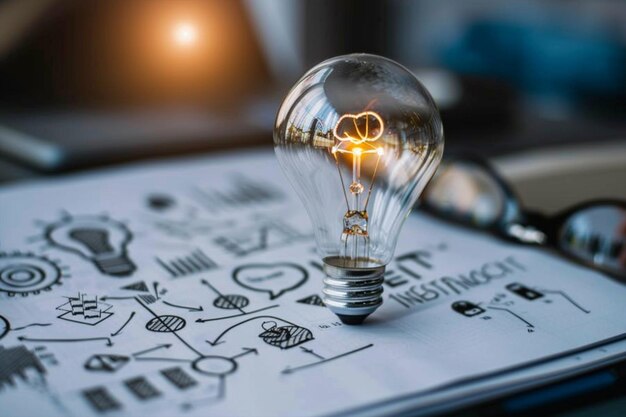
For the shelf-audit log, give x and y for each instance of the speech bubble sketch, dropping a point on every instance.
(274, 279)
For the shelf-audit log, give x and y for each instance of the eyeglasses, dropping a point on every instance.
(470, 192)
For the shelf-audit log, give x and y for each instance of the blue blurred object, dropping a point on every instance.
(541, 59)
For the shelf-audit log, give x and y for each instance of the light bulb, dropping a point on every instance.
(101, 240)
(358, 137)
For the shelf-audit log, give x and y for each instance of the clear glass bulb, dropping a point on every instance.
(358, 137)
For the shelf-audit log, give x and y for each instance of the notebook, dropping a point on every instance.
(193, 287)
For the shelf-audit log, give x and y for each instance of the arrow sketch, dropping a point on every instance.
(141, 352)
(290, 370)
(245, 352)
(528, 324)
(123, 325)
(568, 298)
(88, 339)
(237, 315)
(310, 351)
(218, 338)
(191, 309)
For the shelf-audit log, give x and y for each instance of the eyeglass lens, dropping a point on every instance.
(597, 235)
(467, 193)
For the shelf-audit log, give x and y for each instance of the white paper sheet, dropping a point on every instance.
(200, 297)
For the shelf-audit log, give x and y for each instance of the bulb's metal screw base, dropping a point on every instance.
(352, 292)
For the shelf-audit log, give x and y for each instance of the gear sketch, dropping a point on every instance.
(27, 273)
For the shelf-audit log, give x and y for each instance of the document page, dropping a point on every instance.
(193, 287)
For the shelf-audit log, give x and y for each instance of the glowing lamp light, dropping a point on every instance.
(185, 34)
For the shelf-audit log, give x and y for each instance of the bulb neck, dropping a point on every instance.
(118, 265)
(353, 292)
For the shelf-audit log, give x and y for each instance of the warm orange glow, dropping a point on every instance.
(358, 129)
(185, 34)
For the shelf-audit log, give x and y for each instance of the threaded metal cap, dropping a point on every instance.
(353, 290)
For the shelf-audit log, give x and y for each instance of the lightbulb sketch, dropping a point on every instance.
(98, 239)
(26, 273)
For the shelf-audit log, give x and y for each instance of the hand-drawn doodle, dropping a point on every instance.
(103, 362)
(292, 334)
(147, 298)
(498, 303)
(529, 325)
(274, 279)
(19, 362)
(118, 331)
(143, 352)
(197, 261)
(160, 202)
(220, 367)
(322, 360)
(523, 291)
(142, 389)
(244, 192)
(189, 227)
(101, 399)
(32, 325)
(267, 234)
(5, 327)
(179, 378)
(139, 286)
(207, 365)
(45, 356)
(203, 364)
(26, 273)
(467, 308)
(215, 366)
(498, 298)
(98, 239)
(230, 302)
(190, 309)
(157, 292)
(312, 300)
(567, 298)
(85, 309)
(284, 337)
(77, 340)
(166, 324)
(312, 352)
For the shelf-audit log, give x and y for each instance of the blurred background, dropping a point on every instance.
(540, 86)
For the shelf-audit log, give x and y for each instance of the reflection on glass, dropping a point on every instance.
(597, 235)
(467, 193)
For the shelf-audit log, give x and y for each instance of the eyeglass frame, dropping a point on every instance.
(530, 227)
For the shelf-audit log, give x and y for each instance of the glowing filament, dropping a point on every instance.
(355, 134)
